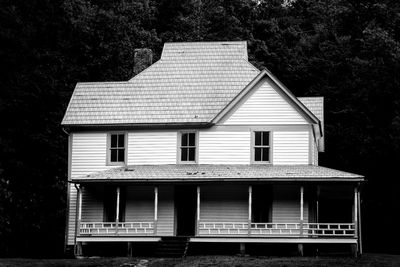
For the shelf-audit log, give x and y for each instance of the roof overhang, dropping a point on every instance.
(207, 173)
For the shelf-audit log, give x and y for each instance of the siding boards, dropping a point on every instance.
(152, 148)
(89, 152)
(139, 204)
(227, 203)
(265, 106)
(290, 147)
(286, 204)
(218, 147)
(166, 212)
(92, 204)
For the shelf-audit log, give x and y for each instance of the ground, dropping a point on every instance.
(231, 261)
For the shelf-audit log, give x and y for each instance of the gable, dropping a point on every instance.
(264, 105)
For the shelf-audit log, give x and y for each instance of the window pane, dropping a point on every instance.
(265, 154)
(113, 155)
(121, 155)
(257, 138)
(114, 140)
(192, 152)
(184, 152)
(184, 141)
(121, 140)
(192, 139)
(265, 138)
(257, 154)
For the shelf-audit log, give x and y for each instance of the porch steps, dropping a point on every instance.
(172, 247)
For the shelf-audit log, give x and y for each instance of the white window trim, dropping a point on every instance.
(179, 142)
(252, 145)
(108, 154)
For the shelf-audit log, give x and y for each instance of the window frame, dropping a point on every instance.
(119, 163)
(253, 146)
(179, 147)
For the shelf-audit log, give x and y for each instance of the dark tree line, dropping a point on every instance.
(345, 50)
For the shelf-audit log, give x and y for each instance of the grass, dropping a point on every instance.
(229, 261)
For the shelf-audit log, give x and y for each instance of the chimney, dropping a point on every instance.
(143, 58)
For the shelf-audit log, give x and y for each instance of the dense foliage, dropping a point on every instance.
(345, 50)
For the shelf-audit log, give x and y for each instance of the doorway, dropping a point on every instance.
(185, 208)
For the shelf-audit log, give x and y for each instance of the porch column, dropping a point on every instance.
(317, 208)
(301, 209)
(359, 222)
(78, 247)
(155, 209)
(198, 211)
(250, 211)
(117, 211)
(79, 208)
(355, 212)
(355, 221)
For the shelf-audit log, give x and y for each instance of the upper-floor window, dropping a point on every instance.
(187, 147)
(116, 148)
(261, 147)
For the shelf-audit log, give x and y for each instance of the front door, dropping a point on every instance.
(185, 207)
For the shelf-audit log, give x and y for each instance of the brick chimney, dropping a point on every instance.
(143, 58)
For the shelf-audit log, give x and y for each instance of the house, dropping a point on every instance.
(205, 148)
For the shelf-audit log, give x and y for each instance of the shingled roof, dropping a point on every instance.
(213, 173)
(191, 83)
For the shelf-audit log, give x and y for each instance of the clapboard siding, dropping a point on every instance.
(224, 203)
(220, 147)
(139, 204)
(166, 212)
(291, 147)
(92, 204)
(265, 106)
(149, 148)
(89, 152)
(286, 204)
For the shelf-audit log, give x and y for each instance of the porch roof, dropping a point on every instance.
(215, 173)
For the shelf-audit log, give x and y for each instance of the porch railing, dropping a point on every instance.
(277, 229)
(110, 228)
(223, 228)
(329, 229)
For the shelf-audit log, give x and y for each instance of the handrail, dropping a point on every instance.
(112, 228)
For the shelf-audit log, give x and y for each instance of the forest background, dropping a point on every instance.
(345, 50)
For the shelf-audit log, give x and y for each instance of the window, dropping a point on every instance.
(188, 147)
(116, 148)
(261, 147)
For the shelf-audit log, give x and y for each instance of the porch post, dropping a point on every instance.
(301, 209)
(79, 207)
(198, 211)
(117, 211)
(318, 193)
(250, 211)
(359, 221)
(155, 209)
(355, 221)
(355, 212)
(78, 248)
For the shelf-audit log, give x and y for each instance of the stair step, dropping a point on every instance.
(172, 247)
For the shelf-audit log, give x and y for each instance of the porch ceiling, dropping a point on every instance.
(215, 173)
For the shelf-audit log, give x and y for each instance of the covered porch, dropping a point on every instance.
(246, 210)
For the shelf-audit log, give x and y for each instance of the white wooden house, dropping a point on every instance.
(203, 145)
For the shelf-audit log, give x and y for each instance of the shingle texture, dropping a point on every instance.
(316, 106)
(191, 83)
(208, 172)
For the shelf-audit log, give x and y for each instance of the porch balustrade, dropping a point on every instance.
(277, 229)
(110, 228)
